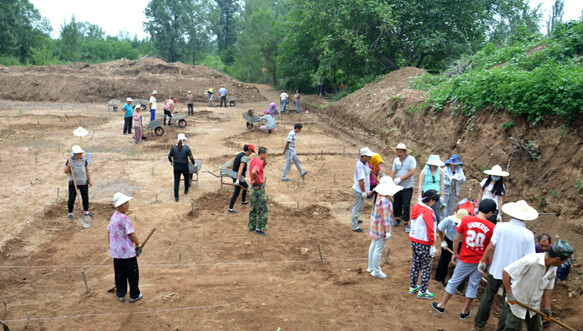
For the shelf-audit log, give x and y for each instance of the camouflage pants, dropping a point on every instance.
(257, 209)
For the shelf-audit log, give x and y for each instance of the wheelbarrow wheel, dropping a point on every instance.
(182, 124)
(232, 103)
(249, 126)
(159, 131)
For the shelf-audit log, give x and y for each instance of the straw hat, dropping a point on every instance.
(80, 132)
(387, 186)
(120, 198)
(520, 210)
(435, 161)
(77, 149)
(461, 213)
(496, 171)
(400, 146)
(365, 151)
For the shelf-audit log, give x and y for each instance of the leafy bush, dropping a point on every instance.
(9, 61)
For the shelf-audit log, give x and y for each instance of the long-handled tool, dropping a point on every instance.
(84, 219)
(552, 319)
(141, 248)
(241, 186)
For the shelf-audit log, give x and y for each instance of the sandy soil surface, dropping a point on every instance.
(202, 269)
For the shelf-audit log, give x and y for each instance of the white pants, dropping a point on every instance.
(375, 251)
(291, 156)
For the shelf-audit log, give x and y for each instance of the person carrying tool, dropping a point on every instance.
(122, 238)
(178, 157)
(533, 280)
(209, 93)
(240, 167)
(78, 166)
(258, 208)
(169, 109)
(473, 234)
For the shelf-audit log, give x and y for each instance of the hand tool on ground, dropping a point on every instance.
(545, 315)
(84, 219)
(243, 187)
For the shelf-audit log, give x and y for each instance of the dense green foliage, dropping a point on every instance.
(533, 77)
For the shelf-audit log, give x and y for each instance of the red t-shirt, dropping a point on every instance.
(476, 235)
(256, 164)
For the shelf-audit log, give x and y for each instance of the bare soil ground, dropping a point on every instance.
(202, 269)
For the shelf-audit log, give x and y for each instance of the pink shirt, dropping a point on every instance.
(256, 164)
(120, 244)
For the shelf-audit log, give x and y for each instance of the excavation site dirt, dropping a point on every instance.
(202, 268)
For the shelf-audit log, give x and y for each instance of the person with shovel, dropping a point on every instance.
(122, 238)
(178, 157)
(77, 168)
(240, 167)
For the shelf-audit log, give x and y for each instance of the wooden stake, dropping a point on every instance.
(5, 305)
(92, 134)
(57, 193)
(192, 207)
(343, 150)
(320, 251)
(85, 281)
(387, 257)
(298, 204)
(36, 156)
(27, 320)
(153, 170)
(180, 258)
(334, 177)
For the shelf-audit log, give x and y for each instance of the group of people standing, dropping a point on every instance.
(474, 239)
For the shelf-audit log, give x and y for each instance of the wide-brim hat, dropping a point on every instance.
(400, 146)
(496, 171)
(189, 92)
(387, 186)
(455, 160)
(435, 161)
(520, 210)
(80, 132)
(365, 151)
(154, 92)
(120, 198)
(77, 149)
(182, 137)
(461, 213)
(138, 106)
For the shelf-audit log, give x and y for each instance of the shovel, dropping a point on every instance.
(84, 219)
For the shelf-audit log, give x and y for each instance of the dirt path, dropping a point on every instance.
(202, 269)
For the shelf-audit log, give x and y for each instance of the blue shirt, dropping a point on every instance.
(129, 110)
(447, 226)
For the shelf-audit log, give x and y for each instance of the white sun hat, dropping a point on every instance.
(461, 213)
(387, 186)
(435, 160)
(120, 198)
(365, 151)
(154, 92)
(77, 149)
(400, 146)
(189, 92)
(496, 171)
(130, 100)
(80, 132)
(520, 210)
(182, 137)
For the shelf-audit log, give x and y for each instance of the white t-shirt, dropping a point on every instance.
(222, 91)
(401, 168)
(153, 102)
(512, 241)
(283, 96)
(487, 194)
(292, 136)
(362, 171)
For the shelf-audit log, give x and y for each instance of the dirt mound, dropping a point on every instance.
(82, 82)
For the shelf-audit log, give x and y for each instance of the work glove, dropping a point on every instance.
(237, 182)
(388, 235)
(397, 181)
(138, 250)
(510, 299)
(549, 313)
(482, 267)
(498, 218)
(364, 194)
(242, 180)
(444, 244)
(432, 251)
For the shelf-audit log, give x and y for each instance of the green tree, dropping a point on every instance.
(226, 28)
(70, 40)
(556, 16)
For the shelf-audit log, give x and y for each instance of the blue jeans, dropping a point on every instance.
(283, 103)
(152, 114)
(297, 106)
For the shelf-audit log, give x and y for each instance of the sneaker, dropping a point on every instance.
(185, 192)
(90, 215)
(465, 316)
(285, 179)
(136, 299)
(406, 227)
(425, 295)
(379, 274)
(369, 270)
(121, 299)
(176, 199)
(305, 173)
(360, 222)
(261, 233)
(396, 222)
(413, 290)
(437, 308)
(70, 216)
(232, 211)
(245, 203)
(358, 230)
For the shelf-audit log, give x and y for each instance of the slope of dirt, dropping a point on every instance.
(82, 82)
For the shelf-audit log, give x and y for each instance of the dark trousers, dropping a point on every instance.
(167, 114)
(84, 189)
(442, 266)
(402, 204)
(181, 169)
(236, 193)
(483, 313)
(127, 125)
(190, 109)
(126, 271)
(223, 99)
(493, 217)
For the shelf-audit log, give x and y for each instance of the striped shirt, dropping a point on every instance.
(292, 137)
(380, 218)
